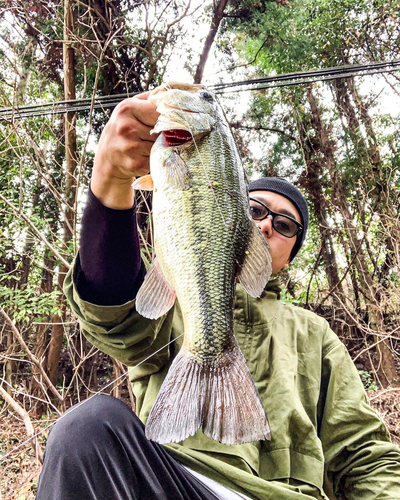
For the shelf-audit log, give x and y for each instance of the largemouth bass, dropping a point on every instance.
(205, 240)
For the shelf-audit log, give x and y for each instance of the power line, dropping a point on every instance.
(286, 79)
(306, 77)
(316, 74)
(61, 107)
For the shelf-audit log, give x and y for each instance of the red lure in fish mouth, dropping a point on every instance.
(177, 137)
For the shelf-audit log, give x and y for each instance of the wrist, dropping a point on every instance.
(113, 192)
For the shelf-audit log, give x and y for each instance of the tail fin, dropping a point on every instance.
(220, 397)
(234, 413)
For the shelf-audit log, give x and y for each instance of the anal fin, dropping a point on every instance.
(257, 266)
(155, 297)
(178, 410)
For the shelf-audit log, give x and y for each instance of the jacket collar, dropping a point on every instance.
(274, 286)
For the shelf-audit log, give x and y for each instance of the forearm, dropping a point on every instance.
(360, 460)
(110, 270)
(101, 289)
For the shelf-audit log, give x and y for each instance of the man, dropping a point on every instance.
(326, 440)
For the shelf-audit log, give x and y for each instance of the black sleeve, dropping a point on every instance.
(109, 268)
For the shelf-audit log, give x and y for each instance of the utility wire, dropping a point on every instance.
(337, 71)
(286, 79)
(304, 81)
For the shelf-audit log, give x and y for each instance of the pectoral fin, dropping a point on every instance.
(155, 297)
(178, 172)
(257, 266)
(144, 183)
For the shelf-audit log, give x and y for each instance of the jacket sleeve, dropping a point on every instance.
(110, 273)
(119, 330)
(360, 461)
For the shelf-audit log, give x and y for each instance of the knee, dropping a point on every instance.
(98, 409)
(90, 420)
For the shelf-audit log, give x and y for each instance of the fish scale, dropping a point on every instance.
(205, 239)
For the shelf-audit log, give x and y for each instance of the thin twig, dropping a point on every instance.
(37, 232)
(31, 356)
(393, 389)
(27, 421)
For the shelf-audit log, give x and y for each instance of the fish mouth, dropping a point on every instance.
(177, 137)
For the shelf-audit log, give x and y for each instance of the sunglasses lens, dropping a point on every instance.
(257, 211)
(284, 226)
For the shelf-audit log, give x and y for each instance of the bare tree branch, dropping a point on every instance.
(218, 15)
(32, 357)
(27, 421)
(37, 232)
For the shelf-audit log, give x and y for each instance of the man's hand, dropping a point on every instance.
(123, 151)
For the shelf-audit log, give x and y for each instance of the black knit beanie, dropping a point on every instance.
(282, 186)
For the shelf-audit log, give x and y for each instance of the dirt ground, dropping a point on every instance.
(20, 472)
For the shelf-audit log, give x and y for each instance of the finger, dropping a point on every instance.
(140, 109)
(143, 96)
(136, 150)
(136, 138)
(134, 130)
(146, 113)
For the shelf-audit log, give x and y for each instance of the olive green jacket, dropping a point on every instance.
(326, 439)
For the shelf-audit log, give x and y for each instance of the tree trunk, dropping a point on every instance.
(313, 184)
(379, 179)
(70, 188)
(386, 370)
(9, 363)
(215, 22)
(43, 332)
(373, 148)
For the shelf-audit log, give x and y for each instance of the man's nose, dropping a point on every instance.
(265, 226)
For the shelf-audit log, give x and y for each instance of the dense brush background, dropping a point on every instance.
(338, 141)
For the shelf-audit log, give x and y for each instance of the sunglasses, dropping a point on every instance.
(283, 224)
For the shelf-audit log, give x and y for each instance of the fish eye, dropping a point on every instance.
(206, 95)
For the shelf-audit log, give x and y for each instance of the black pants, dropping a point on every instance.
(98, 451)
